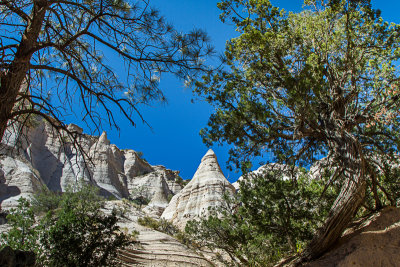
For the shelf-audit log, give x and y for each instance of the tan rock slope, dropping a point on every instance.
(155, 248)
(372, 242)
(205, 190)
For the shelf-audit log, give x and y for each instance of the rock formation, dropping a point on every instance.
(204, 191)
(40, 156)
(17, 178)
(278, 169)
(154, 248)
(373, 241)
(158, 203)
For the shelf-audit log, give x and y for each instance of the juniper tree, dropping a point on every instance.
(324, 81)
(65, 49)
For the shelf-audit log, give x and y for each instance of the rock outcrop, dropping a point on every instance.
(18, 179)
(373, 241)
(204, 191)
(40, 156)
(286, 171)
(155, 248)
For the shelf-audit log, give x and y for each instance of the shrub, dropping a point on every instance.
(73, 231)
(149, 222)
(45, 201)
(270, 218)
(78, 238)
(24, 232)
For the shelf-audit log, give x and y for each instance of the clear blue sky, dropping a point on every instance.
(174, 140)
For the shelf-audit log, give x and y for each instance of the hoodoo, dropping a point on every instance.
(205, 190)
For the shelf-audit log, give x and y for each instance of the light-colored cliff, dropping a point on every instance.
(39, 156)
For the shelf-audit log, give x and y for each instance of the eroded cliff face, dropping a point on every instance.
(41, 157)
(204, 191)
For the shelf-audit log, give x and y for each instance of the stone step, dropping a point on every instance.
(157, 254)
(130, 257)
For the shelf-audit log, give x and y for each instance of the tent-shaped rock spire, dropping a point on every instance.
(205, 190)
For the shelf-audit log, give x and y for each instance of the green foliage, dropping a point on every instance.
(139, 154)
(73, 231)
(45, 201)
(77, 238)
(293, 82)
(384, 187)
(24, 234)
(179, 180)
(140, 195)
(271, 217)
(161, 225)
(167, 227)
(149, 222)
(321, 82)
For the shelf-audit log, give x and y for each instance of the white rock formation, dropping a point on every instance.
(17, 179)
(108, 163)
(41, 157)
(205, 190)
(158, 203)
(279, 169)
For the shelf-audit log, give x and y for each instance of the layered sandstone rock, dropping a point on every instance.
(160, 177)
(108, 163)
(153, 248)
(204, 191)
(38, 156)
(17, 179)
(158, 203)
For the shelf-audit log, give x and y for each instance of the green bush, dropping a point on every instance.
(179, 180)
(77, 238)
(24, 233)
(168, 228)
(72, 232)
(270, 218)
(149, 222)
(45, 201)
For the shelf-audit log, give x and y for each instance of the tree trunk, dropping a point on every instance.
(16, 72)
(349, 154)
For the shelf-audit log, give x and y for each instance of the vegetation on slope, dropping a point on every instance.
(70, 231)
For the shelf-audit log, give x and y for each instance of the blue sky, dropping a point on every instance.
(174, 139)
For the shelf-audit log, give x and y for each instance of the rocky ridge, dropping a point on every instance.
(41, 157)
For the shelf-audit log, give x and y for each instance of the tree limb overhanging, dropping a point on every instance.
(67, 51)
